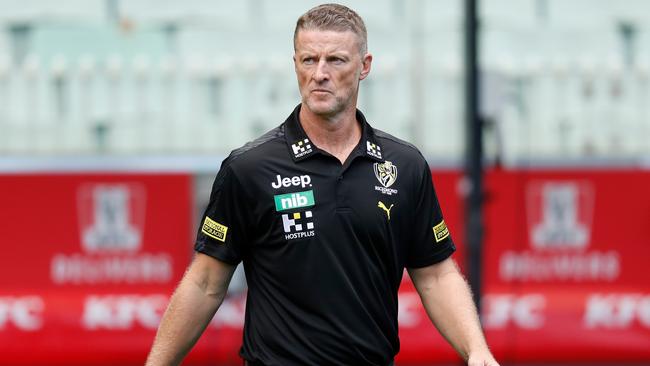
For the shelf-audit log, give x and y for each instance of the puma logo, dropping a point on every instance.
(383, 207)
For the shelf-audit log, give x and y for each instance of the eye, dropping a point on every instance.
(337, 60)
(308, 60)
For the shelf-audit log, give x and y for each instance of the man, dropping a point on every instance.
(325, 214)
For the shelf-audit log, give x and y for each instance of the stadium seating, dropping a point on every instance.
(560, 79)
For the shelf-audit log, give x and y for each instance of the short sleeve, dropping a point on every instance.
(431, 241)
(220, 233)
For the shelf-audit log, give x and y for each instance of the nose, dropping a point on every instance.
(321, 73)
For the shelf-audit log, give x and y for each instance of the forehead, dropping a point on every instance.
(314, 40)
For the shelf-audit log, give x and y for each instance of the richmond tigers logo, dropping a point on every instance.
(386, 173)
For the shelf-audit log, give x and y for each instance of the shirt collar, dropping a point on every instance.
(301, 147)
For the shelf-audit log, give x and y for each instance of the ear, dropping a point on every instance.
(295, 65)
(366, 62)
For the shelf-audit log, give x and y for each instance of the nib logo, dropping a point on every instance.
(294, 200)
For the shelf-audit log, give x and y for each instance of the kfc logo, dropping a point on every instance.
(521, 311)
(25, 313)
(617, 311)
(122, 312)
(560, 214)
(111, 217)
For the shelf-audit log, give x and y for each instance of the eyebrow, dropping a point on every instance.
(333, 54)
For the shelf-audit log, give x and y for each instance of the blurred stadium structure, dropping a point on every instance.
(97, 94)
(563, 79)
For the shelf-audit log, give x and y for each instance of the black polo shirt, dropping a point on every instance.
(324, 245)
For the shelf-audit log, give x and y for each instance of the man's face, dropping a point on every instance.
(329, 67)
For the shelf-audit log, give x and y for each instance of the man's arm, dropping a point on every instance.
(448, 302)
(190, 309)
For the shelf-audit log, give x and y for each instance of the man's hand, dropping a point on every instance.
(482, 359)
(196, 299)
(448, 302)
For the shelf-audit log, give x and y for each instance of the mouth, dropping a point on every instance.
(321, 91)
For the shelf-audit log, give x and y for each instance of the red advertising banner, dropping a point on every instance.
(89, 262)
(565, 264)
(569, 228)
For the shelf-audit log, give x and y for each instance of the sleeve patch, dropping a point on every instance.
(214, 229)
(440, 231)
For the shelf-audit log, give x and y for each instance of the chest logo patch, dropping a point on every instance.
(290, 201)
(296, 181)
(387, 209)
(373, 150)
(298, 225)
(301, 148)
(386, 174)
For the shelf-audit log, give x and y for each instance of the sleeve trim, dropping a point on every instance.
(438, 257)
(212, 252)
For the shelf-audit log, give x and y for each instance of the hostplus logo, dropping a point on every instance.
(301, 148)
(298, 225)
(373, 150)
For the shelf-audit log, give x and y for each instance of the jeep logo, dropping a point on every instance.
(303, 181)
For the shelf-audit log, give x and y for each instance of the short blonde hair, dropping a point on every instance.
(333, 17)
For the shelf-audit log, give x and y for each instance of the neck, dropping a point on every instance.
(338, 134)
